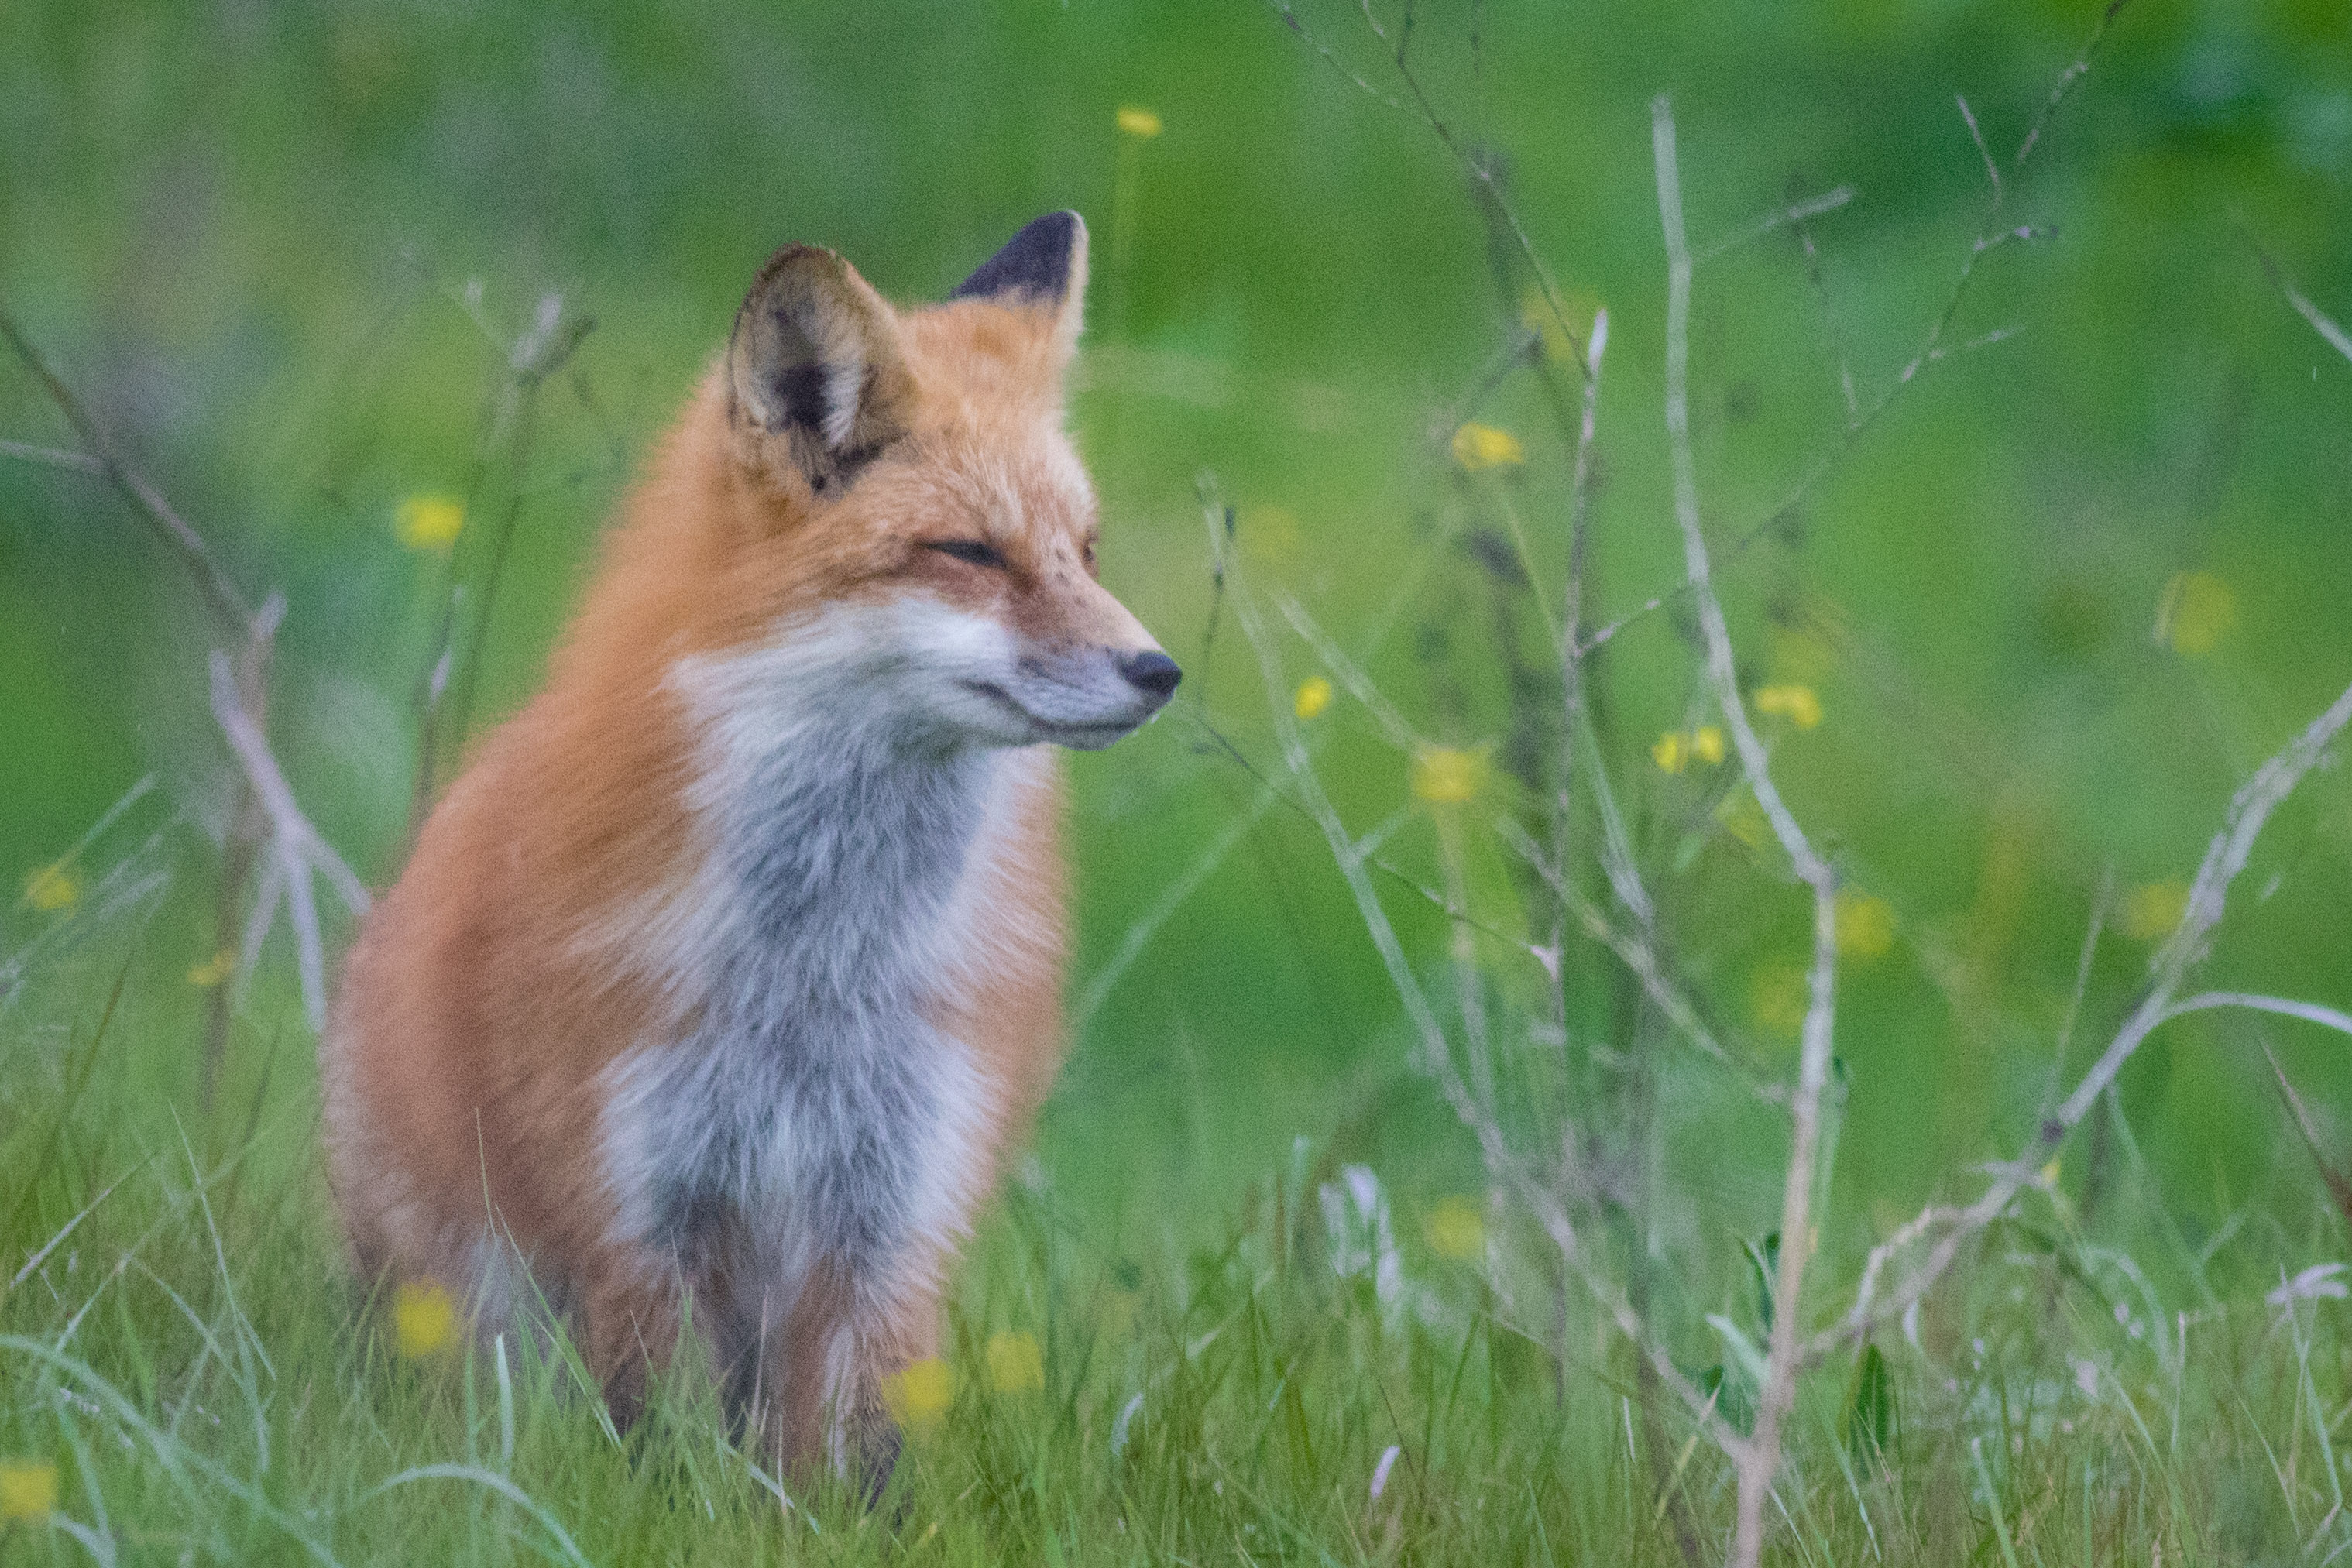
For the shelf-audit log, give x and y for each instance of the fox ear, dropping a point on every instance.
(1043, 265)
(814, 363)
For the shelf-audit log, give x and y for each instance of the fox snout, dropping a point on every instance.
(1080, 696)
(1152, 672)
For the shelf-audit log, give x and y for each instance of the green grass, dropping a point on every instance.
(191, 1356)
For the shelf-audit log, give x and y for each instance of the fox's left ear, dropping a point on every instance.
(1043, 267)
(816, 367)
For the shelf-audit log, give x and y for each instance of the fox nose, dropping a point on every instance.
(1153, 672)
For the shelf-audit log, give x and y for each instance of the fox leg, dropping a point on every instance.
(630, 1323)
(821, 1370)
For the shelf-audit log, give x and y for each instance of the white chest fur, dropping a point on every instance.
(803, 1101)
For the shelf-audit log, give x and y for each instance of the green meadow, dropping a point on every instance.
(2016, 406)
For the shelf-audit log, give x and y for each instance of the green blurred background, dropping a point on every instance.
(275, 247)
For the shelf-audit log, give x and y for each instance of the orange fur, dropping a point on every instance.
(499, 988)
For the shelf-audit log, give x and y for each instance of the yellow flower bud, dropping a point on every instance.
(1865, 924)
(424, 1319)
(430, 522)
(28, 1490)
(1314, 697)
(1456, 1229)
(1138, 121)
(1484, 446)
(1446, 776)
(2152, 911)
(53, 887)
(920, 1394)
(1796, 703)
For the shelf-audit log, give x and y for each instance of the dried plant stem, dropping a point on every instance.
(263, 816)
(1757, 1460)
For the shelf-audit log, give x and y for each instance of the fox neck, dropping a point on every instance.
(835, 895)
(836, 834)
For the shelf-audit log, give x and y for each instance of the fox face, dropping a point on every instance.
(925, 523)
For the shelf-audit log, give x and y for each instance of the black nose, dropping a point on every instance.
(1154, 672)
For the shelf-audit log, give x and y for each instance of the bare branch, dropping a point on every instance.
(1780, 218)
(2309, 1012)
(1992, 169)
(1758, 1459)
(174, 531)
(2337, 338)
(2066, 80)
(295, 845)
(80, 462)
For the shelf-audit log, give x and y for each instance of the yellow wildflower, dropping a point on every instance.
(920, 1394)
(1314, 697)
(1865, 924)
(1015, 1365)
(2196, 611)
(1678, 749)
(1484, 446)
(1777, 997)
(430, 522)
(1456, 1230)
(2050, 1174)
(424, 1319)
(2153, 910)
(28, 1490)
(53, 887)
(1446, 776)
(1796, 703)
(1137, 122)
(213, 970)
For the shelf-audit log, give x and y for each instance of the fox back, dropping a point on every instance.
(728, 968)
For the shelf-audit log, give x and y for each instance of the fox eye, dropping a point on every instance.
(979, 552)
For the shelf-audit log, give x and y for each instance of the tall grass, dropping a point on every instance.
(1337, 1380)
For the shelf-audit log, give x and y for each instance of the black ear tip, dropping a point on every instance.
(1034, 263)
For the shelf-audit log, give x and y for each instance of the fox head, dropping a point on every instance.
(907, 502)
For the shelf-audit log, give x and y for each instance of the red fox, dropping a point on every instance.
(724, 975)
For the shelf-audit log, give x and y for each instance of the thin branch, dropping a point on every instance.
(1830, 318)
(80, 462)
(2066, 80)
(1780, 218)
(2309, 1012)
(1992, 169)
(174, 531)
(2337, 338)
(1757, 1460)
